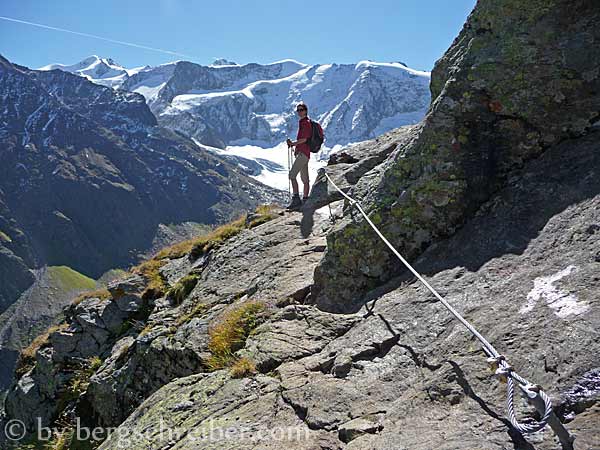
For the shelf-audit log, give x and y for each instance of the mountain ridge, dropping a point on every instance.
(222, 104)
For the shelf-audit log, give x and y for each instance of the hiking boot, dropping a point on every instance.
(295, 204)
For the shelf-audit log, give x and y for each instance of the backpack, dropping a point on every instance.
(317, 137)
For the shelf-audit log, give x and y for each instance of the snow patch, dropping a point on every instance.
(273, 162)
(563, 303)
(150, 91)
(394, 65)
(332, 211)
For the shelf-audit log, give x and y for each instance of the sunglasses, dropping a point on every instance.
(301, 109)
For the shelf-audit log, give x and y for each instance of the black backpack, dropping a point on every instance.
(317, 137)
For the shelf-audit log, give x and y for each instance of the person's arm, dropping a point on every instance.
(298, 142)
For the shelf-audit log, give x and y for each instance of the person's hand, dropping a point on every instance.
(289, 142)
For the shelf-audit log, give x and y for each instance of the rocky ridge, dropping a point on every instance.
(385, 376)
(89, 180)
(38, 308)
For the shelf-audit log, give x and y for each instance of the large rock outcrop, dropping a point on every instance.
(144, 343)
(35, 310)
(519, 79)
(400, 373)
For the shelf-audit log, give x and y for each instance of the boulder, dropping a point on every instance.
(127, 293)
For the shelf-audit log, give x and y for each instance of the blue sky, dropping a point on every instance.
(416, 32)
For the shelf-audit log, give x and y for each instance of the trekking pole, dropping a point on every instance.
(289, 155)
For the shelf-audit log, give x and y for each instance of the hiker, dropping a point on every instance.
(302, 155)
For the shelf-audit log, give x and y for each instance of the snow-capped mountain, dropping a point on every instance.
(98, 70)
(229, 104)
(246, 111)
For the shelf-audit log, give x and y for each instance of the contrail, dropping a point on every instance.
(130, 44)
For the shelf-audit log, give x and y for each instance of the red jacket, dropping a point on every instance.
(304, 132)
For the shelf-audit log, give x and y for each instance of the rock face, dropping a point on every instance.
(93, 325)
(246, 399)
(87, 176)
(255, 266)
(518, 80)
(350, 352)
(16, 277)
(399, 373)
(145, 344)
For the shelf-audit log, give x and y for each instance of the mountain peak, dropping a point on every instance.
(86, 62)
(95, 68)
(223, 62)
(89, 60)
(288, 61)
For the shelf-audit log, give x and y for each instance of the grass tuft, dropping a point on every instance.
(150, 270)
(79, 383)
(4, 237)
(76, 387)
(176, 250)
(242, 367)
(94, 363)
(263, 214)
(230, 332)
(61, 440)
(205, 243)
(182, 288)
(266, 210)
(201, 245)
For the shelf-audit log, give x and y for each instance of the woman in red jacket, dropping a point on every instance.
(302, 156)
